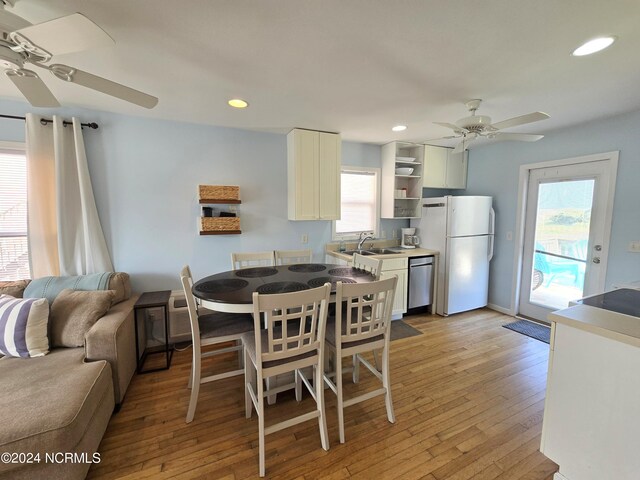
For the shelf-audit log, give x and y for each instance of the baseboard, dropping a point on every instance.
(500, 309)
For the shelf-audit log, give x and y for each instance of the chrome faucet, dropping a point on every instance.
(362, 240)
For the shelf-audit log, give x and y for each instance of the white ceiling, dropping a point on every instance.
(356, 66)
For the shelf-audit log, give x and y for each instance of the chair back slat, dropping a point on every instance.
(295, 322)
(368, 309)
(252, 259)
(290, 257)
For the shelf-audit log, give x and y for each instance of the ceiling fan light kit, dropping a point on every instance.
(474, 126)
(22, 43)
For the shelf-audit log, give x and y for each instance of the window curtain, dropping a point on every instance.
(65, 235)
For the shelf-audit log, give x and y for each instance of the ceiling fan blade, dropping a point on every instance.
(521, 120)
(33, 88)
(70, 74)
(453, 127)
(521, 137)
(71, 33)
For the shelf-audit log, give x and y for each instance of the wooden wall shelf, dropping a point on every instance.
(222, 232)
(228, 201)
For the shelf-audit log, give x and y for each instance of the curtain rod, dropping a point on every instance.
(45, 121)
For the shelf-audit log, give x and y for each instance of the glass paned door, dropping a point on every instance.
(563, 218)
(565, 236)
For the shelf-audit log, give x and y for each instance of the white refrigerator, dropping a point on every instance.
(461, 229)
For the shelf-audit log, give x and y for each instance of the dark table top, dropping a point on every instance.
(153, 299)
(237, 286)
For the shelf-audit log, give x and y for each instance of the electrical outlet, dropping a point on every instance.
(634, 246)
(384, 234)
(394, 234)
(509, 236)
(305, 238)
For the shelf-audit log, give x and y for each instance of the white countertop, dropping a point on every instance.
(617, 326)
(405, 253)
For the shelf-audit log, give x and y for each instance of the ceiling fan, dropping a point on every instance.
(474, 126)
(22, 43)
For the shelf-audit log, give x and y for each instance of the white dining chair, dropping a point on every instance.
(293, 340)
(289, 257)
(363, 326)
(251, 259)
(369, 264)
(210, 329)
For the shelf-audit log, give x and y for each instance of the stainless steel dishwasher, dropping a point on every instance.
(420, 280)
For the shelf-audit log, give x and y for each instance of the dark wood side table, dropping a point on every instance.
(158, 299)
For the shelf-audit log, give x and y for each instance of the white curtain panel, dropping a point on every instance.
(65, 235)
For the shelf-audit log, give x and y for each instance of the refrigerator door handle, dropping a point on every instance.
(492, 228)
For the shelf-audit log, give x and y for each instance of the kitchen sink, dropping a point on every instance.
(371, 251)
(361, 252)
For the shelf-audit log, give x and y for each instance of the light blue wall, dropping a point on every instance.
(145, 175)
(494, 170)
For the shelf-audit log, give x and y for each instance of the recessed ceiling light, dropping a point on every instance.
(238, 103)
(593, 46)
(399, 128)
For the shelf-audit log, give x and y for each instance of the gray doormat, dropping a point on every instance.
(400, 330)
(530, 329)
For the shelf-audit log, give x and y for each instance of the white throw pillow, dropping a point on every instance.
(23, 326)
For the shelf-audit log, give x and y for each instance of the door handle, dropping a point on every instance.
(596, 260)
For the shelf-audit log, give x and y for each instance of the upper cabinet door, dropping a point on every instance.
(457, 170)
(329, 176)
(444, 169)
(435, 166)
(313, 175)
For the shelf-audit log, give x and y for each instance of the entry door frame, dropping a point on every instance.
(523, 187)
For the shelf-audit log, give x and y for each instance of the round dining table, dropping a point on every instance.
(232, 291)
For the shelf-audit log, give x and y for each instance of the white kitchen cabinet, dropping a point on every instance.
(592, 407)
(443, 168)
(313, 175)
(401, 192)
(398, 267)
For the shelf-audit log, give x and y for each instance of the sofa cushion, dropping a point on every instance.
(23, 326)
(119, 283)
(14, 288)
(47, 402)
(74, 312)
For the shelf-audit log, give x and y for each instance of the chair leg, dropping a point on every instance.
(356, 369)
(261, 439)
(386, 383)
(240, 353)
(195, 384)
(298, 382)
(340, 406)
(375, 360)
(272, 382)
(318, 383)
(249, 377)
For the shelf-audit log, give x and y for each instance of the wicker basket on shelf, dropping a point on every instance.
(219, 224)
(219, 192)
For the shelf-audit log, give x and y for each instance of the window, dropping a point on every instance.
(359, 203)
(14, 250)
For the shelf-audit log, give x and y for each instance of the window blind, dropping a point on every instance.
(14, 251)
(357, 202)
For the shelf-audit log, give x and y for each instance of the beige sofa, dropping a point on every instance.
(61, 403)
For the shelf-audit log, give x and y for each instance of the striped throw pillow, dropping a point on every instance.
(23, 326)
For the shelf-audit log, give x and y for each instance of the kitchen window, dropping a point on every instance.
(14, 249)
(359, 203)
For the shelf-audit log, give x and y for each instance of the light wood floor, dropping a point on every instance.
(468, 397)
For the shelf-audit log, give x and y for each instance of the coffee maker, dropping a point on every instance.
(409, 238)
